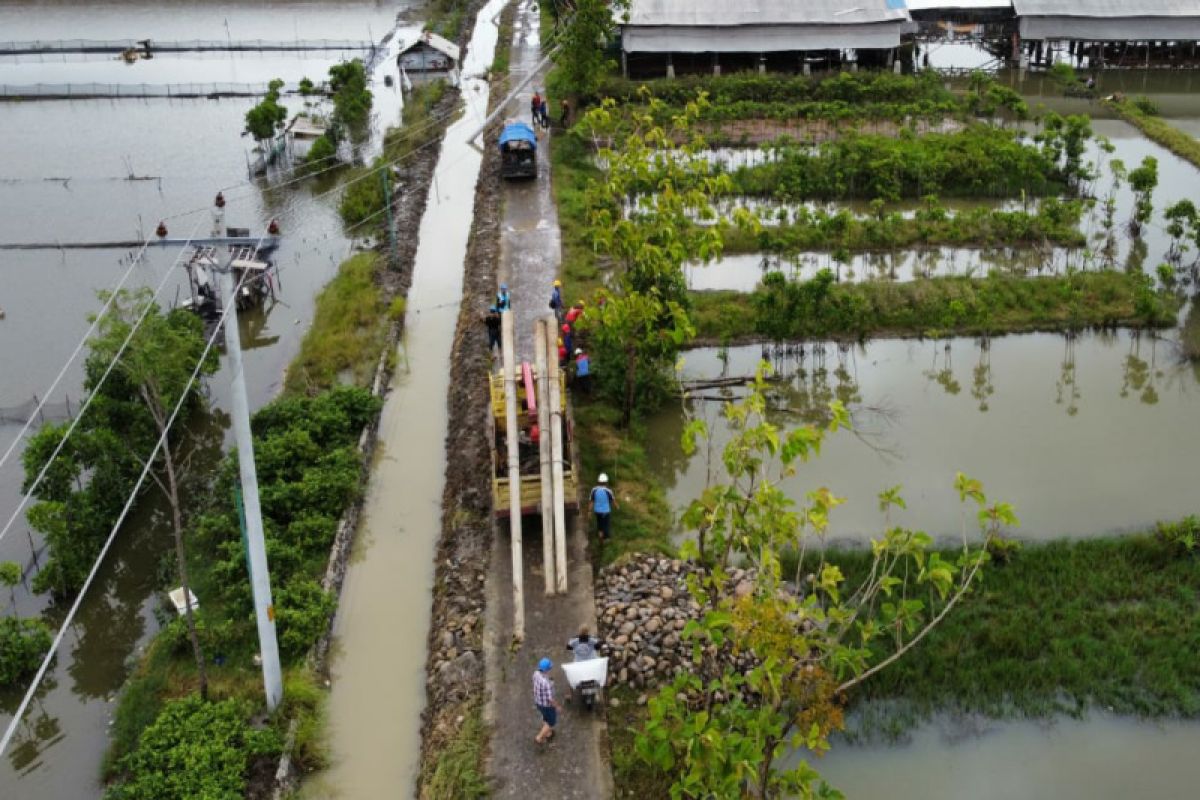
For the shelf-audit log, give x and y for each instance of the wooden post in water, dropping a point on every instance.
(557, 425)
(513, 444)
(544, 422)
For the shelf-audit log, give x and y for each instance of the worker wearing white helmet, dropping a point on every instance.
(602, 501)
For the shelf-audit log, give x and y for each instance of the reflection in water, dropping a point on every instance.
(1043, 420)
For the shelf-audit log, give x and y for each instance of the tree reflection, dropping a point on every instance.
(1139, 376)
(1067, 385)
(981, 386)
(112, 619)
(943, 374)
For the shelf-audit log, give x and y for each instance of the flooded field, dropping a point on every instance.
(1086, 437)
(1101, 758)
(742, 272)
(109, 170)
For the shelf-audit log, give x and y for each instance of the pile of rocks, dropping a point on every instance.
(643, 606)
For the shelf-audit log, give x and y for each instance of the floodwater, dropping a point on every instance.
(65, 175)
(742, 272)
(1085, 437)
(378, 667)
(1100, 758)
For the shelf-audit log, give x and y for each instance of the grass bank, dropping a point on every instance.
(349, 329)
(933, 306)
(1158, 129)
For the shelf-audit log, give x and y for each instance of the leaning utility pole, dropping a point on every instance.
(256, 549)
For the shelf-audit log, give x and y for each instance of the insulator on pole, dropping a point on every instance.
(273, 228)
(161, 230)
(220, 202)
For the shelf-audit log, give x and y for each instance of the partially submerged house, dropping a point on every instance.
(675, 36)
(1102, 33)
(429, 53)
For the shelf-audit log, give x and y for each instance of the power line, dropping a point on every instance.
(37, 679)
(341, 186)
(54, 385)
(95, 390)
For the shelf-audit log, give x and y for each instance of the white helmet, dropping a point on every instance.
(603, 477)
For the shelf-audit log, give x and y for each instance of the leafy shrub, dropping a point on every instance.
(23, 644)
(303, 610)
(1145, 105)
(194, 750)
(322, 150)
(362, 200)
(1183, 536)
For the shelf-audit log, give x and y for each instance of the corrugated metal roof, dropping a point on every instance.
(954, 5)
(442, 45)
(727, 13)
(1107, 8)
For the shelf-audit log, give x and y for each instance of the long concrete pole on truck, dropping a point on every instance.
(557, 426)
(514, 471)
(256, 549)
(543, 406)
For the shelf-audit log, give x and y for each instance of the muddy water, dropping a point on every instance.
(378, 668)
(742, 272)
(63, 177)
(1101, 758)
(1087, 437)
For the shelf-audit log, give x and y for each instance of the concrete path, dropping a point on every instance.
(575, 763)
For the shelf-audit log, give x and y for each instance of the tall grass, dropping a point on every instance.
(348, 330)
(1159, 130)
(1062, 627)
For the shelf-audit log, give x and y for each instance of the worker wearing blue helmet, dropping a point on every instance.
(543, 698)
(503, 301)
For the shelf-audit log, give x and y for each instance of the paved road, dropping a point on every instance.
(575, 763)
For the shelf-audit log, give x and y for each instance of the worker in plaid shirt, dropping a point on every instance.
(543, 698)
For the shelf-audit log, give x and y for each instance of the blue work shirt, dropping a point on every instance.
(581, 366)
(602, 500)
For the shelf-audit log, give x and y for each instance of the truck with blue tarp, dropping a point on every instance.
(518, 151)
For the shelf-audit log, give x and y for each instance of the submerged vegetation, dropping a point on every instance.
(1060, 628)
(979, 161)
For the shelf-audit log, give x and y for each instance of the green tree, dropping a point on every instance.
(1143, 181)
(158, 365)
(268, 116)
(582, 57)
(10, 576)
(726, 731)
(647, 237)
(23, 644)
(352, 99)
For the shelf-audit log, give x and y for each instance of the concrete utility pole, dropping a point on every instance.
(543, 407)
(514, 472)
(557, 425)
(256, 549)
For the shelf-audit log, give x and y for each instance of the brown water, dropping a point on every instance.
(378, 667)
(62, 170)
(1101, 758)
(1084, 437)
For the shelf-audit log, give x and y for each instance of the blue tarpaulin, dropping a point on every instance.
(518, 132)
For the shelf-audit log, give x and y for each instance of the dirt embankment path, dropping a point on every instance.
(574, 764)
